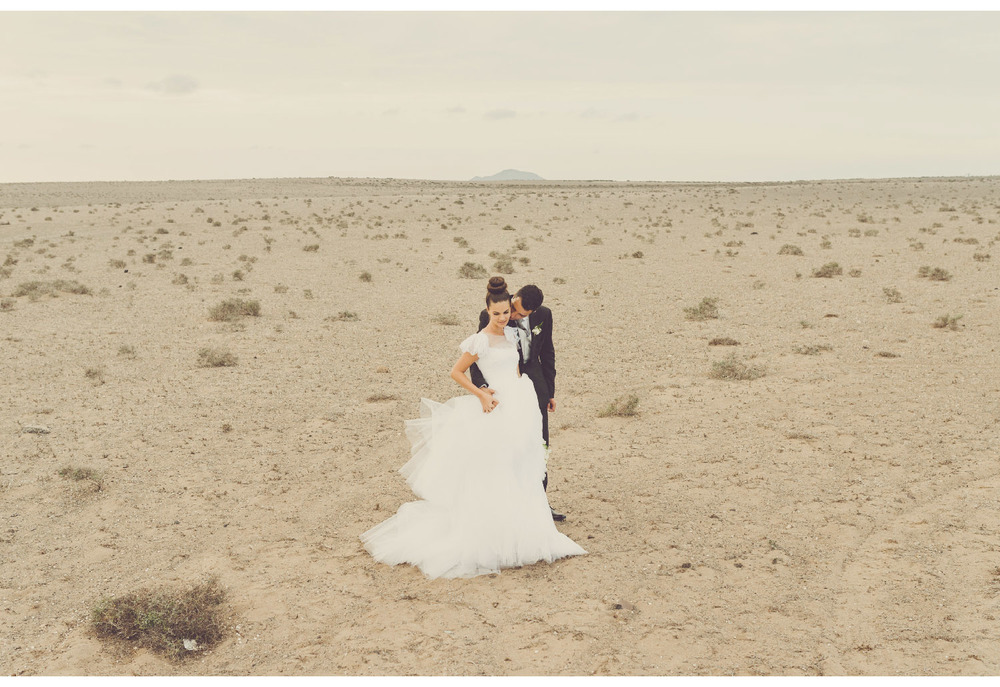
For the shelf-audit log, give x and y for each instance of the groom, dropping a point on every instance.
(533, 325)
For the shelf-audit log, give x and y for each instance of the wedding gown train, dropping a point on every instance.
(479, 476)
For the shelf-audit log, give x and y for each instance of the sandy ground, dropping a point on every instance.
(838, 515)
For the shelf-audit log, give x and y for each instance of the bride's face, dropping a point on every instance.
(499, 314)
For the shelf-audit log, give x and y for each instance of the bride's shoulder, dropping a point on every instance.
(475, 344)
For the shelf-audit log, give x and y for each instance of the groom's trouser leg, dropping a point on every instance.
(544, 407)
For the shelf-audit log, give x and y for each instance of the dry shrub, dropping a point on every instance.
(733, 369)
(378, 398)
(215, 357)
(233, 309)
(892, 295)
(886, 354)
(705, 310)
(471, 270)
(7, 304)
(95, 374)
(812, 350)
(342, 316)
(504, 265)
(830, 269)
(37, 289)
(81, 474)
(164, 621)
(723, 341)
(946, 321)
(624, 406)
(447, 320)
(789, 249)
(934, 274)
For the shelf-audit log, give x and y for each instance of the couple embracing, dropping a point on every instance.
(478, 460)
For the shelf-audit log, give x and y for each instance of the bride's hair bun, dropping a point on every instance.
(497, 285)
(496, 291)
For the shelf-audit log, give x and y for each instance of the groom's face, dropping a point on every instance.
(517, 311)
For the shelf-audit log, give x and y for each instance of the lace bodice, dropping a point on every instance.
(497, 355)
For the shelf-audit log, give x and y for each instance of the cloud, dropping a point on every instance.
(458, 109)
(500, 114)
(390, 113)
(175, 84)
(628, 117)
(590, 113)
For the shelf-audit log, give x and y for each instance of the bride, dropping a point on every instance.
(477, 464)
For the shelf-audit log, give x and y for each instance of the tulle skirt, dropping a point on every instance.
(479, 476)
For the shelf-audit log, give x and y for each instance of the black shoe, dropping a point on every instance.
(558, 517)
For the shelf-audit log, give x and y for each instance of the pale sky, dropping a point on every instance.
(669, 96)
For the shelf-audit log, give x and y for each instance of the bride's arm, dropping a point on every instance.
(458, 374)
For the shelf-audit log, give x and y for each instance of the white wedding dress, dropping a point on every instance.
(480, 477)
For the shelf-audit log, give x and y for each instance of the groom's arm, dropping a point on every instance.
(477, 376)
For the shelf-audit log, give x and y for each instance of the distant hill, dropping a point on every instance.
(511, 175)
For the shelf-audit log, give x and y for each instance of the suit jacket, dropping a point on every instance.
(541, 366)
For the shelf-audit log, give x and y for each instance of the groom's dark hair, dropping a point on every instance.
(531, 296)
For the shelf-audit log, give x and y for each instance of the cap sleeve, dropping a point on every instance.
(475, 344)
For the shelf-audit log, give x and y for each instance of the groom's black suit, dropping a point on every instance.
(541, 364)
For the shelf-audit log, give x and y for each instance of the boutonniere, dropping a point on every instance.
(537, 329)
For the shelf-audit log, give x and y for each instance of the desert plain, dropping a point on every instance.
(838, 514)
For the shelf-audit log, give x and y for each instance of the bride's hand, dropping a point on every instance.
(486, 398)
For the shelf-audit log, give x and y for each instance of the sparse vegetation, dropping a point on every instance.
(947, 321)
(830, 269)
(471, 270)
(95, 374)
(380, 397)
(171, 623)
(447, 320)
(706, 310)
(76, 474)
(886, 354)
(812, 350)
(311, 248)
(934, 273)
(732, 369)
(723, 341)
(504, 265)
(233, 309)
(6, 304)
(365, 277)
(215, 357)
(36, 289)
(343, 316)
(623, 406)
(892, 295)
